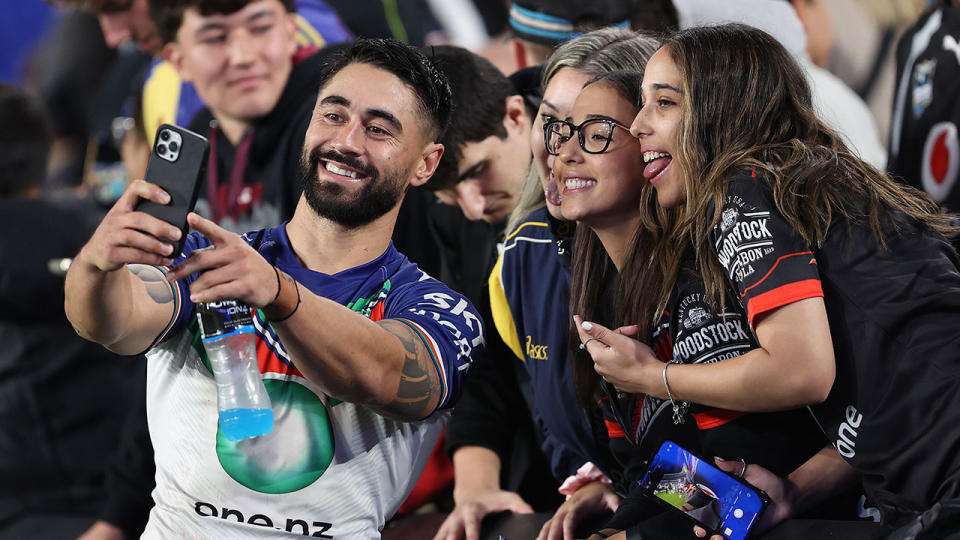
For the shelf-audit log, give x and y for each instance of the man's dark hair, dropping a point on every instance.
(168, 14)
(428, 83)
(25, 137)
(480, 92)
(656, 16)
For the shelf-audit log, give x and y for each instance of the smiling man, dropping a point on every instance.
(166, 98)
(243, 59)
(361, 352)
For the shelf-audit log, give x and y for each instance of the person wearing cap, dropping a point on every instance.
(536, 27)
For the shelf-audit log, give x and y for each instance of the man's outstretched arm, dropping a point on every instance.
(386, 365)
(114, 294)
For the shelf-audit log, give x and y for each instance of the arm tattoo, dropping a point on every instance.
(157, 286)
(419, 389)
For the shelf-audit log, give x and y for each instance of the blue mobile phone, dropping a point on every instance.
(720, 502)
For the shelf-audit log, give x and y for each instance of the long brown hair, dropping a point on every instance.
(592, 270)
(746, 104)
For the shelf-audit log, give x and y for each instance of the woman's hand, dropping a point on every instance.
(590, 500)
(780, 491)
(624, 362)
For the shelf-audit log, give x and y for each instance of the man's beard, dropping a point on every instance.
(332, 201)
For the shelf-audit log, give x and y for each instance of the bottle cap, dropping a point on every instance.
(223, 317)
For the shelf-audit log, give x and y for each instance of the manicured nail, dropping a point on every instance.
(586, 326)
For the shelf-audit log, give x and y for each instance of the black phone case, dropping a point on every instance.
(180, 178)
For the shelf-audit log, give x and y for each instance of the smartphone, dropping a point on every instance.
(721, 503)
(178, 163)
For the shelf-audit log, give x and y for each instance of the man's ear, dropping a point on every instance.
(516, 119)
(427, 164)
(173, 53)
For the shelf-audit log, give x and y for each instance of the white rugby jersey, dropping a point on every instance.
(328, 469)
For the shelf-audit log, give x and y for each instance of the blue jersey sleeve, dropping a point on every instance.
(447, 323)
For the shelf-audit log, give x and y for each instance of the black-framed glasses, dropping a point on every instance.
(594, 134)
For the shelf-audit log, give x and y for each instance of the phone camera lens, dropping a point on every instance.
(161, 149)
(173, 146)
(164, 135)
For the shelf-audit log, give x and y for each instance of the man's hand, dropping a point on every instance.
(126, 236)
(123, 310)
(590, 500)
(780, 491)
(229, 269)
(465, 520)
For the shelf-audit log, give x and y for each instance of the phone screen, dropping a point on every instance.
(712, 497)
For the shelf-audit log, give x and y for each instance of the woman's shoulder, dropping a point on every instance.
(535, 227)
(748, 179)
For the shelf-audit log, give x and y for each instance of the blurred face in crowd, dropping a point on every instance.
(602, 188)
(491, 172)
(365, 144)
(121, 20)
(558, 98)
(657, 126)
(239, 63)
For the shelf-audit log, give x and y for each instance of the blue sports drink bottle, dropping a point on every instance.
(227, 332)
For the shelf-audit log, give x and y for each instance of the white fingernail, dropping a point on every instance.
(586, 326)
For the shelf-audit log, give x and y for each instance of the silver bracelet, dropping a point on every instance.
(679, 410)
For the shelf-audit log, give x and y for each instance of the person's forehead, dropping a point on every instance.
(599, 99)
(564, 88)
(661, 69)
(367, 87)
(196, 21)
